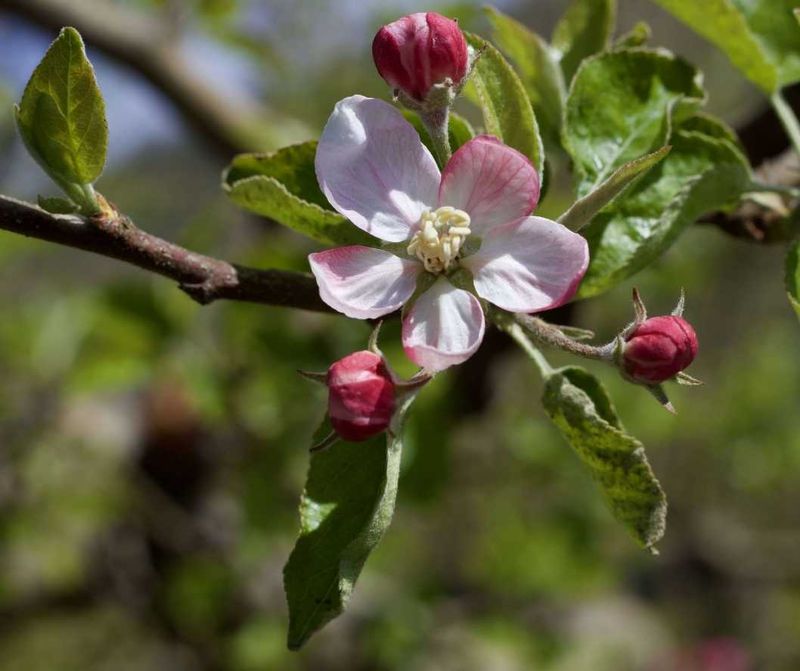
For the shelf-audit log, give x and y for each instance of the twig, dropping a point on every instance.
(203, 278)
(140, 42)
(756, 222)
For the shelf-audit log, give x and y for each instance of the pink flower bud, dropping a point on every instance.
(659, 348)
(361, 396)
(420, 50)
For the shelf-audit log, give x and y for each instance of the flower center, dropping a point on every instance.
(440, 237)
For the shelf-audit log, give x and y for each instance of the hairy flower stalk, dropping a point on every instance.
(437, 123)
(551, 335)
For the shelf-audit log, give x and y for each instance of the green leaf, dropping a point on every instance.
(282, 185)
(538, 70)
(584, 30)
(56, 205)
(793, 276)
(346, 507)
(774, 25)
(712, 126)
(459, 130)
(584, 209)
(723, 23)
(292, 166)
(267, 197)
(701, 174)
(603, 131)
(582, 410)
(507, 111)
(62, 114)
(637, 36)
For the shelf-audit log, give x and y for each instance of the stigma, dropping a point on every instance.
(440, 237)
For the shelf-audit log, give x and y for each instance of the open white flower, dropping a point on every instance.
(374, 169)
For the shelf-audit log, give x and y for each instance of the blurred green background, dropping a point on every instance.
(152, 452)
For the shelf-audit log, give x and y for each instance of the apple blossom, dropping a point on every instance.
(473, 217)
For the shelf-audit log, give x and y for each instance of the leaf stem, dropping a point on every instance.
(83, 195)
(90, 204)
(788, 118)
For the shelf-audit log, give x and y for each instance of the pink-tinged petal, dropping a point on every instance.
(491, 182)
(444, 327)
(374, 169)
(362, 282)
(529, 265)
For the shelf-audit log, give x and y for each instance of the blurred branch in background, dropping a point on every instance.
(148, 46)
(203, 278)
(767, 220)
(767, 147)
(763, 136)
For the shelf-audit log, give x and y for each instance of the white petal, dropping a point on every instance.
(363, 282)
(444, 327)
(374, 169)
(493, 183)
(529, 265)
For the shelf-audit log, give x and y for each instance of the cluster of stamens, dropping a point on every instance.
(440, 237)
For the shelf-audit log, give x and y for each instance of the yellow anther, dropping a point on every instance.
(440, 237)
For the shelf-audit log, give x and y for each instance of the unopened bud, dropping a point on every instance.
(361, 396)
(658, 349)
(419, 51)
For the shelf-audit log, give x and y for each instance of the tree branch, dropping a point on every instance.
(203, 278)
(760, 222)
(140, 42)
